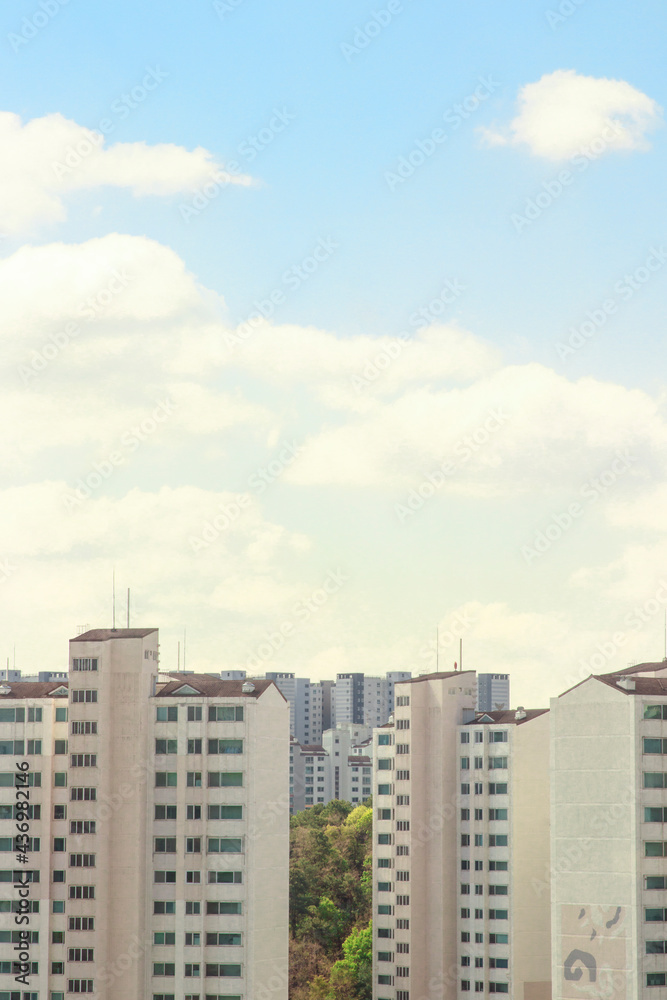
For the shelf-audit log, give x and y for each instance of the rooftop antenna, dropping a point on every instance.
(665, 656)
(113, 589)
(178, 661)
(460, 654)
(184, 649)
(128, 607)
(437, 650)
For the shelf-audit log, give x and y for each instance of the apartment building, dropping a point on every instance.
(310, 776)
(305, 711)
(461, 841)
(159, 829)
(351, 779)
(503, 905)
(366, 701)
(339, 769)
(415, 852)
(609, 846)
(493, 692)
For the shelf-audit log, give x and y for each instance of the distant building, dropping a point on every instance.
(493, 692)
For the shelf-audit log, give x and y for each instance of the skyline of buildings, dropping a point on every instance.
(517, 851)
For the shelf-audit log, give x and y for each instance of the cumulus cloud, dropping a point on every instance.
(565, 113)
(349, 371)
(46, 158)
(521, 428)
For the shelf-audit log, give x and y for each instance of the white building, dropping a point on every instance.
(461, 836)
(366, 701)
(609, 847)
(305, 712)
(310, 776)
(504, 922)
(159, 828)
(415, 854)
(339, 769)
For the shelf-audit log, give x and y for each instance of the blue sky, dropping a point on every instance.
(333, 125)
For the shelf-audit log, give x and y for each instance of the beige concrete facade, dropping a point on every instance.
(415, 854)
(609, 808)
(461, 847)
(163, 824)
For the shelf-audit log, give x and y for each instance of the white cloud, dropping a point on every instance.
(48, 157)
(547, 434)
(564, 113)
(348, 372)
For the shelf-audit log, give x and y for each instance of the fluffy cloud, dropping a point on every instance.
(521, 428)
(564, 113)
(46, 158)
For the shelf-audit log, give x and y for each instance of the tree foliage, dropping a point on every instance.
(330, 903)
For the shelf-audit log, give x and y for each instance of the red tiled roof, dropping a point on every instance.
(642, 685)
(639, 668)
(506, 717)
(214, 687)
(30, 689)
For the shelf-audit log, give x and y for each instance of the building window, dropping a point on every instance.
(194, 746)
(167, 812)
(194, 713)
(164, 845)
(655, 849)
(84, 663)
(193, 779)
(465, 763)
(164, 937)
(225, 746)
(166, 746)
(225, 779)
(225, 713)
(498, 737)
(496, 763)
(83, 728)
(167, 713)
(504, 987)
(498, 788)
(84, 696)
(83, 760)
(83, 794)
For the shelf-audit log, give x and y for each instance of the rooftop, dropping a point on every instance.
(31, 689)
(436, 676)
(209, 686)
(507, 717)
(640, 668)
(103, 634)
(640, 685)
